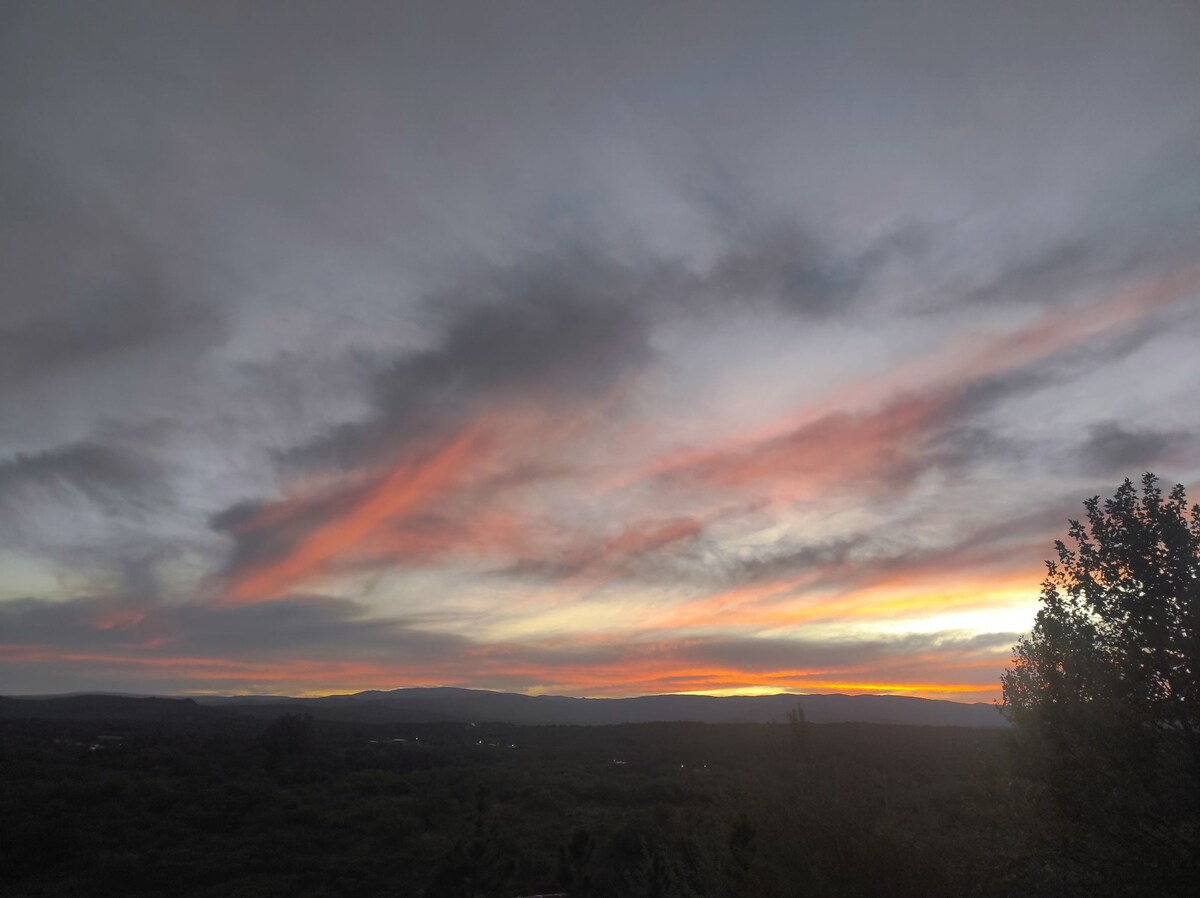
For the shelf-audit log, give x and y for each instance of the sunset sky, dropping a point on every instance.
(592, 349)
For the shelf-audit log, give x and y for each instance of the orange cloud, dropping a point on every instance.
(636, 670)
(913, 593)
(412, 486)
(647, 536)
(839, 447)
(438, 499)
(823, 444)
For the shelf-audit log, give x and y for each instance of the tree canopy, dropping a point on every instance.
(1104, 695)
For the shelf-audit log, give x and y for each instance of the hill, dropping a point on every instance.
(105, 707)
(449, 704)
(454, 704)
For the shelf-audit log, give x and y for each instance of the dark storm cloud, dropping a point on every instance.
(1112, 447)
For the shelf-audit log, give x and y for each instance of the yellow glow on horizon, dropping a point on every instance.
(808, 688)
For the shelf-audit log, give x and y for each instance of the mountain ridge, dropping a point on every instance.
(437, 704)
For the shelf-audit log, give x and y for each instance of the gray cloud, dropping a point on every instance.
(128, 312)
(85, 280)
(562, 325)
(315, 625)
(962, 447)
(782, 654)
(144, 644)
(791, 560)
(786, 265)
(112, 478)
(1059, 368)
(558, 328)
(1113, 448)
(861, 558)
(1161, 233)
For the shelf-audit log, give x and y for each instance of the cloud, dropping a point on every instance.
(1112, 447)
(520, 379)
(314, 643)
(786, 265)
(832, 657)
(524, 356)
(554, 329)
(839, 447)
(1057, 273)
(390, 518)
(905, 432)
(84, 286)
(122, 317)
(148, 631)
(113, 479)
(568, 324)
(523, 351)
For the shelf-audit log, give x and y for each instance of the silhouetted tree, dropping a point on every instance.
(1103, 694)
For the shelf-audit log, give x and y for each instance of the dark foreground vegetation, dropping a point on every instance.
(1105, 696)
(237, 806)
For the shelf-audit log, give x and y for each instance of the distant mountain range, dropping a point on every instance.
(448, 704)
(105, 707)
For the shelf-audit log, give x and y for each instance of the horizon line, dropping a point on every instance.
(314, 696)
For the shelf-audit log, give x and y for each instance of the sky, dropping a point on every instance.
(593, 349)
